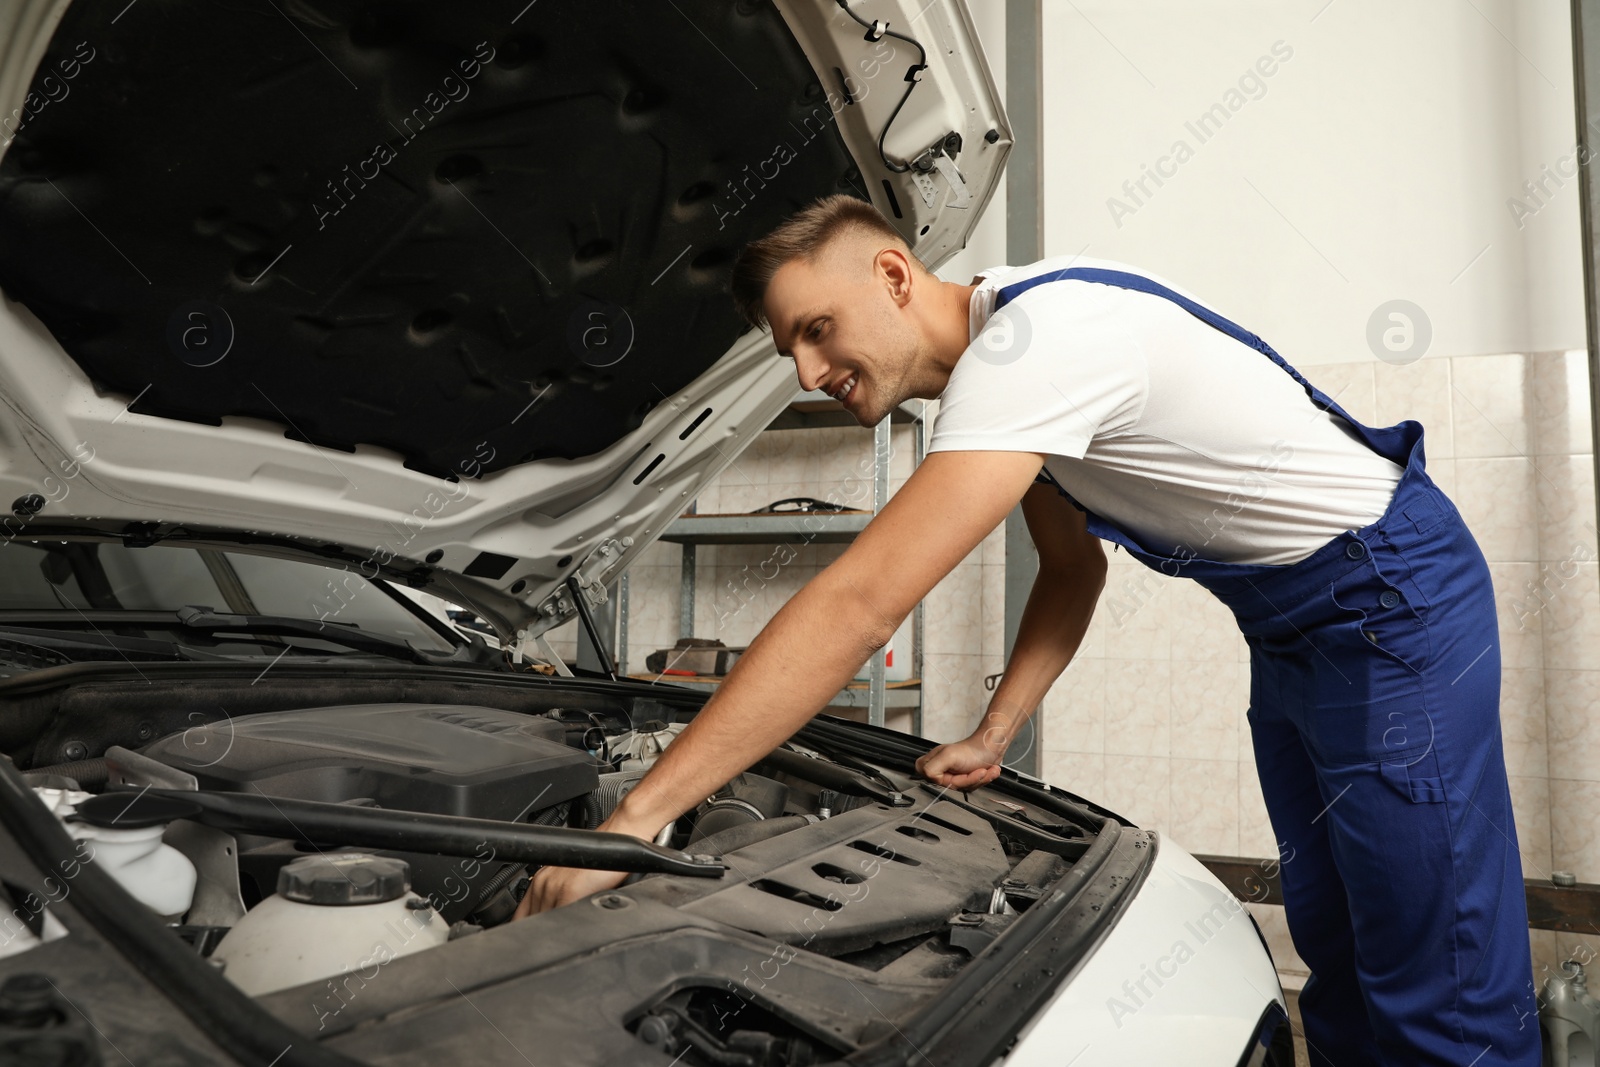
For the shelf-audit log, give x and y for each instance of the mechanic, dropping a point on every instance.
(1117, 407)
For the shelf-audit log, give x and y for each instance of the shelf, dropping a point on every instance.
(810, 410)
(907, 694)
(810, 414)
(815, 527)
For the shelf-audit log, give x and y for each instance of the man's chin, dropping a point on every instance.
(869, 414)
(869, 419)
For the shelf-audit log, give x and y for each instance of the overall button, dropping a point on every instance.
(1389, 598)
(1355, 549)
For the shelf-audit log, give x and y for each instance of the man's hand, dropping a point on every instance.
(964, 764)
(553, 887)
(1072, 569)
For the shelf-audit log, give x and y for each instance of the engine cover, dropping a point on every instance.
(444, 759)
(440, 758)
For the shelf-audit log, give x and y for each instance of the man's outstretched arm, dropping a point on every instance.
(814, 645)
(1072, 572)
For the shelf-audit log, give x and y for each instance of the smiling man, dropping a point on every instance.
(1117, 407)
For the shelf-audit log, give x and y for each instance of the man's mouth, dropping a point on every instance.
(842, 391)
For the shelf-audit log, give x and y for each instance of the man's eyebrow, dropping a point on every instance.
(799, 320)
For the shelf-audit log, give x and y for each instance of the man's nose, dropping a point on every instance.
(811, 370)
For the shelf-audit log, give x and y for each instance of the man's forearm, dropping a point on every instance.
(1053, 623)
(812, 647)
(805, 655)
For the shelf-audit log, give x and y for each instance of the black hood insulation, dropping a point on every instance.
(474, 234)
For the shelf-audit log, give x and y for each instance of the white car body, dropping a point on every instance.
(1181, 978)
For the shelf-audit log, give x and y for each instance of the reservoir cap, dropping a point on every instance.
(343, 878)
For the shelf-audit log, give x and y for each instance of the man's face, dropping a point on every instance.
(843, 320)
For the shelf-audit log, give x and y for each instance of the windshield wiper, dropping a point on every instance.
(207, 620)
(473, 653)
(75, 647)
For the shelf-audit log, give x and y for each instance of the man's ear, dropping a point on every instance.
(896, 270)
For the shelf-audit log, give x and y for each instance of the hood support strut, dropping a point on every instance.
(587, 620)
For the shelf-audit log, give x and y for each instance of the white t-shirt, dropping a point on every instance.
(1192, 441)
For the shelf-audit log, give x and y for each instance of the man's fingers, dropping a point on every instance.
(937, 771)
(541, 889)
(550, 894)
(981, 776)
(529, 905)
(556, 887)
(535, 891)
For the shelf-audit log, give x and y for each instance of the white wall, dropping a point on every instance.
(1375, 163)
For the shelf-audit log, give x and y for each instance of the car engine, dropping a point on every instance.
(301, 849)
(472, 762)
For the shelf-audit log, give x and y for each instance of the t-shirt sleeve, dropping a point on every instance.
(1049, 372)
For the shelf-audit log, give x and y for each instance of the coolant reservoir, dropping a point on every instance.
(124, 840)
(331, 915)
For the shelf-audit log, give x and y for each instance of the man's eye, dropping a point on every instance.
(815, 331)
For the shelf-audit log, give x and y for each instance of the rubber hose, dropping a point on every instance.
(86, 772)
(606, 795)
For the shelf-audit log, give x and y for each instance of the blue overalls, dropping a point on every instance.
(1374, 714)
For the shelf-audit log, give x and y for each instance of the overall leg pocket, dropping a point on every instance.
(1416, 778)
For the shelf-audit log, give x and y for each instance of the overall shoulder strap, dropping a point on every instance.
(1127, 280)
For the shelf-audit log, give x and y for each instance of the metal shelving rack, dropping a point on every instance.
(692, 530)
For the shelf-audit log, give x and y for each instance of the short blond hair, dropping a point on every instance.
(804, 235)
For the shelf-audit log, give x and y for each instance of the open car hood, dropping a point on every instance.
(432, 291)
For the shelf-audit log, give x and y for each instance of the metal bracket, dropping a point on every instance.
(136, 769)
(534, 646)
(604, 559)
(940, 156)
(558, 606)
(960, 196)
(216, 862)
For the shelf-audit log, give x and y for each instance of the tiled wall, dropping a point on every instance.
(1149, 718)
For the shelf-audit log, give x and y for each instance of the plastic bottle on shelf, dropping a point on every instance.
(1570, 1018)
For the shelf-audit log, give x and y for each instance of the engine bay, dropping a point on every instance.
(326, 846)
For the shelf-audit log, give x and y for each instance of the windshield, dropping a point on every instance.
(61, 595)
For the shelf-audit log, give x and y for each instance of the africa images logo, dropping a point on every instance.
(1399, 332)
(452, 90)
(1004, 337)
